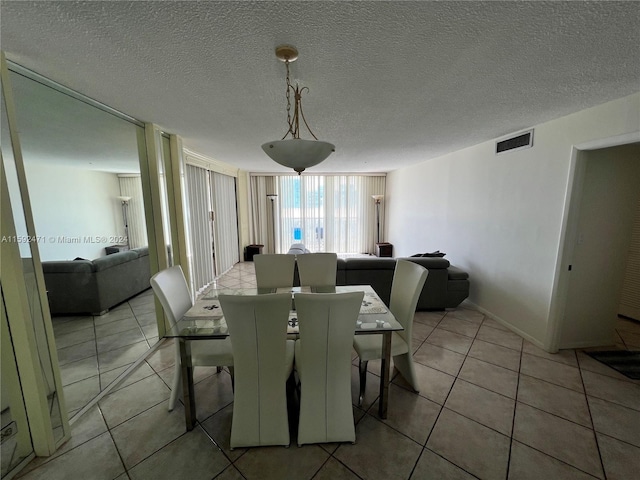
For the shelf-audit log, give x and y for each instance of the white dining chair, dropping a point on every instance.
(170, 287)
(263, 361)
(323, 362)
(408, 280)
(274, 270)
(317, 269)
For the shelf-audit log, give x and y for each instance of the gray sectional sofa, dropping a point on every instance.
(94, 286)
(446, 285)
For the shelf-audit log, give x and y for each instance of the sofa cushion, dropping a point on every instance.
(370, 263)
(456, 274)
(64, 266)
(141, 251)
(374, 271)
(430, 262)
(114, 259)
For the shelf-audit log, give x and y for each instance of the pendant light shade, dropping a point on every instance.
(295, 152)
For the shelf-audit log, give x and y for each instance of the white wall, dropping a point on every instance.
(75, 204)
(499, 217)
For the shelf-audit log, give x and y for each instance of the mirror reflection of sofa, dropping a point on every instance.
(94, 286)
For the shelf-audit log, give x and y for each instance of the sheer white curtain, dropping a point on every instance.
(199, 222)
(261, 218)
(131, 186)
(330, 213)
(225, 224)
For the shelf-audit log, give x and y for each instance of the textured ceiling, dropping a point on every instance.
(390, 83)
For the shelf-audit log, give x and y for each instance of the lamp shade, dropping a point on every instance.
(297, 153)
(124, 198)
(377, 198)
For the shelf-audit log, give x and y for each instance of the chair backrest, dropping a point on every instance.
(258, 331)
(323, 359)
(408, 280)
(172, 291)
(274, 270)
(317, 269)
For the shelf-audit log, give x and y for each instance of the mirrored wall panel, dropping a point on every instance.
(83, 174)
(23, 237)
(15, 441)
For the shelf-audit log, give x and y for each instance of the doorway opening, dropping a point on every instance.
(594, 249)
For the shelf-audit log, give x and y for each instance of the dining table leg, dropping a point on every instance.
(385, 374)
(187, 383)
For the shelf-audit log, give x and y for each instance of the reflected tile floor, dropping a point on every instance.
(491, 406)
(94, 350)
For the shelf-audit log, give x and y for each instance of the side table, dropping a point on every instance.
(384, 249)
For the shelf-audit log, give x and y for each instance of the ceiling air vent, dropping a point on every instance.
(523, 140)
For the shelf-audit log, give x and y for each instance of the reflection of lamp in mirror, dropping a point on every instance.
(124, 200)
(378, 199)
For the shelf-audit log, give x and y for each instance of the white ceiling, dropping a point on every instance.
(391, 83)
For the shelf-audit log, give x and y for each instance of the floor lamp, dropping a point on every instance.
(124, 200)
(378, 199)
(272, 197)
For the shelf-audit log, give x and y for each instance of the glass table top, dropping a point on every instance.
(206, 319)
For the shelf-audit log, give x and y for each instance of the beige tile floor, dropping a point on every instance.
(491, 406)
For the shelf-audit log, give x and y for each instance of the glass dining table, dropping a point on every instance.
(205, 320)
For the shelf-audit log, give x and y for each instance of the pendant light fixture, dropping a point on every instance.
(295, 152)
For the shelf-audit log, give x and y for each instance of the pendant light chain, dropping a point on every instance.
(288, 95)
(294, 121)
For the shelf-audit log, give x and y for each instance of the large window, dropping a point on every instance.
(332, 213)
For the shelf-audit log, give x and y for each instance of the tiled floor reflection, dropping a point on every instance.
(94, 350)
(490, 406)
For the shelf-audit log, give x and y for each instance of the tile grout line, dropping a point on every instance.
(593, 427)
(515, 406)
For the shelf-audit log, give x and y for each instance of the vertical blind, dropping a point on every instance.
(328, 213)
(131, 186)
(198, 219)
(225, 223)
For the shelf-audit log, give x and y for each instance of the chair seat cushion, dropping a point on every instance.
(369, 347)
(212, 352)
